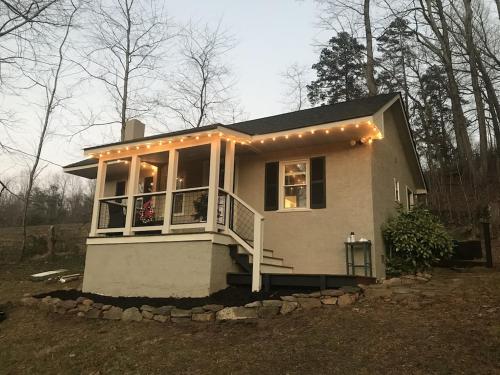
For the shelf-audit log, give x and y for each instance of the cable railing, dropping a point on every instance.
(246, 226)
(149, 209)
(112, 212)
(189, 206)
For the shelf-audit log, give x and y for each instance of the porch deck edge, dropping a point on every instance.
(215, 237)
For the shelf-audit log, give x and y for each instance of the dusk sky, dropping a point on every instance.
(270, 36)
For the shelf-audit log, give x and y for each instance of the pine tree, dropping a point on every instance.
(396, 54)
(340, 72)
(434, 93)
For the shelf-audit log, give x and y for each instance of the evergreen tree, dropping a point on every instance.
(394, 46)
(434, 93)
(340, 72)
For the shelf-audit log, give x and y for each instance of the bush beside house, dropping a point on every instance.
(416, 240)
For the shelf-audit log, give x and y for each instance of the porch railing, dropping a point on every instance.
(189, 206)
(112, 212)
(149, 209)
(246, 226)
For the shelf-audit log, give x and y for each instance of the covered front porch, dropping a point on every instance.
(186, 188)
(173, 187)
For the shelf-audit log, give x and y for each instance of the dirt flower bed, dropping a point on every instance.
(232, 296)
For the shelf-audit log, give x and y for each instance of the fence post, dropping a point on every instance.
(487, 243)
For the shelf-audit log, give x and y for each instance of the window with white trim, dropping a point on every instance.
(294, 184)
(397, 196)
(410, 200)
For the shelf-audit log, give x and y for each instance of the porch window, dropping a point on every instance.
(295, 181)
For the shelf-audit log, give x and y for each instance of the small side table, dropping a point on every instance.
(352, 248)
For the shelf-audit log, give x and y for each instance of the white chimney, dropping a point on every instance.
(134, 129)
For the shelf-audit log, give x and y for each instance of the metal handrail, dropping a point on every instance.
(256, 249)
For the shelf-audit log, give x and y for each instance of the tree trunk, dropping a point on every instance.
(370, 64)
(481, 118)
(126, 74)
(459, 122)
(403, 68)
(51, 104)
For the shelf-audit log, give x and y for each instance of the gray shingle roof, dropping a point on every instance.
(289, 121)
(314, 116)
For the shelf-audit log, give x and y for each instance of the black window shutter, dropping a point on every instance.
(271, 183)
(318, 182)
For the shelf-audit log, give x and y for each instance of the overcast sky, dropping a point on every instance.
(270, 35)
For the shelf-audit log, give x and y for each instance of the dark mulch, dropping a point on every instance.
(232, 296)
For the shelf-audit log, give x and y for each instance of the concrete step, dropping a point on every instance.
(269, 260)
(267, 252)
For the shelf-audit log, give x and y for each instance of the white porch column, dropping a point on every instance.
(229, 167)
(213, 184)
(173, 159)
(99, 189)
(133, 179)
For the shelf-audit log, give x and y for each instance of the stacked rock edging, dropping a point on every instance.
(86, 308)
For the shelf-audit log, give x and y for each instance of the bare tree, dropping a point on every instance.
(295, 81)
(200, 90)
(52, 101)
(127, 42)
(17, 19)
(439, 42)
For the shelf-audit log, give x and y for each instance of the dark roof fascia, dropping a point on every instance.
(82, 163)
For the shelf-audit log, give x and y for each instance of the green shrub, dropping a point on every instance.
(416, 240)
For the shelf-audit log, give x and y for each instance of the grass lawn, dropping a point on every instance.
(457, 333)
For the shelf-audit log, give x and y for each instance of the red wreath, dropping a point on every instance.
(146, 213)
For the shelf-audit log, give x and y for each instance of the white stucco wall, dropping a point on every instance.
(164, 269)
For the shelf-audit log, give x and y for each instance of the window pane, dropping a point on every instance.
(295, 174)
(295, 196)
(299, 179)
(293, 168)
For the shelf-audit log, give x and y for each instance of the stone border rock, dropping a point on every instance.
(86, 308)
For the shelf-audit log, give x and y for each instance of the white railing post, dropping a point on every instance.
(258, 252)
(133, 179)
(213, 184)
(99, 189)
(229, 167)
(227, 213)
(173, 159)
